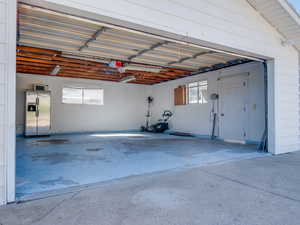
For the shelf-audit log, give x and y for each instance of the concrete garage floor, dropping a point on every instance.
(64, 161)
(260, 191)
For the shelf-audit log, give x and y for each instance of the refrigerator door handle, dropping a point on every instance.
(37, 113)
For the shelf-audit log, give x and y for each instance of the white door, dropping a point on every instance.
(233, 111)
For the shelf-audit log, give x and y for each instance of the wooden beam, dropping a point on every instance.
(42, 61)
(31, 71)
(38, 50)
(23, 57)
(59, 58)
(33, 64)
(27, 67)
(87, 77)
(99, 75)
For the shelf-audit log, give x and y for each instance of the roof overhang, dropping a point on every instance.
(281, 15)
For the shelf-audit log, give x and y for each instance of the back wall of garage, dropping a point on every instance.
(196, 118)
(124, 105)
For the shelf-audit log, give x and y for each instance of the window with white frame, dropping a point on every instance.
(86, 96)
(197, 92)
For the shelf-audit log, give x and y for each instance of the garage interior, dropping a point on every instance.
(99, 78)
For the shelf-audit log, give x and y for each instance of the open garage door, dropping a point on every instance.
(101, 78)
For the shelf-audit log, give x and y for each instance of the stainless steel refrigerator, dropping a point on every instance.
(38, 113)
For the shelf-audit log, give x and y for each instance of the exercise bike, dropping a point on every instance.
(162, 124)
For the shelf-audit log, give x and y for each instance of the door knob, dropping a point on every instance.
(222, 114)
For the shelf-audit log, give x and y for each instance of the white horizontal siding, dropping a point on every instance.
(287, 103)
(3, 7)
(7, 95)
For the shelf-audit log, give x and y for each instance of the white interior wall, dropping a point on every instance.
(195, 118)
(123, 109)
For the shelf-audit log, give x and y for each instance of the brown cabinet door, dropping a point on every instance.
(180, 97)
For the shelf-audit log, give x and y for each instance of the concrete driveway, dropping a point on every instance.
(261, 191)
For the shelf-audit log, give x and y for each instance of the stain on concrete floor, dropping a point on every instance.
(53, 141)
(58, 181)
(94, 149)
(91, 158)
(56, 158)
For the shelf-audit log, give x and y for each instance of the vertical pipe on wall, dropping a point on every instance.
(264, 142)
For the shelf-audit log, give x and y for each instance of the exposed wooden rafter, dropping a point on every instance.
(42, 61)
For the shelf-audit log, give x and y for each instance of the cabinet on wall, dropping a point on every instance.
(180, 95)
